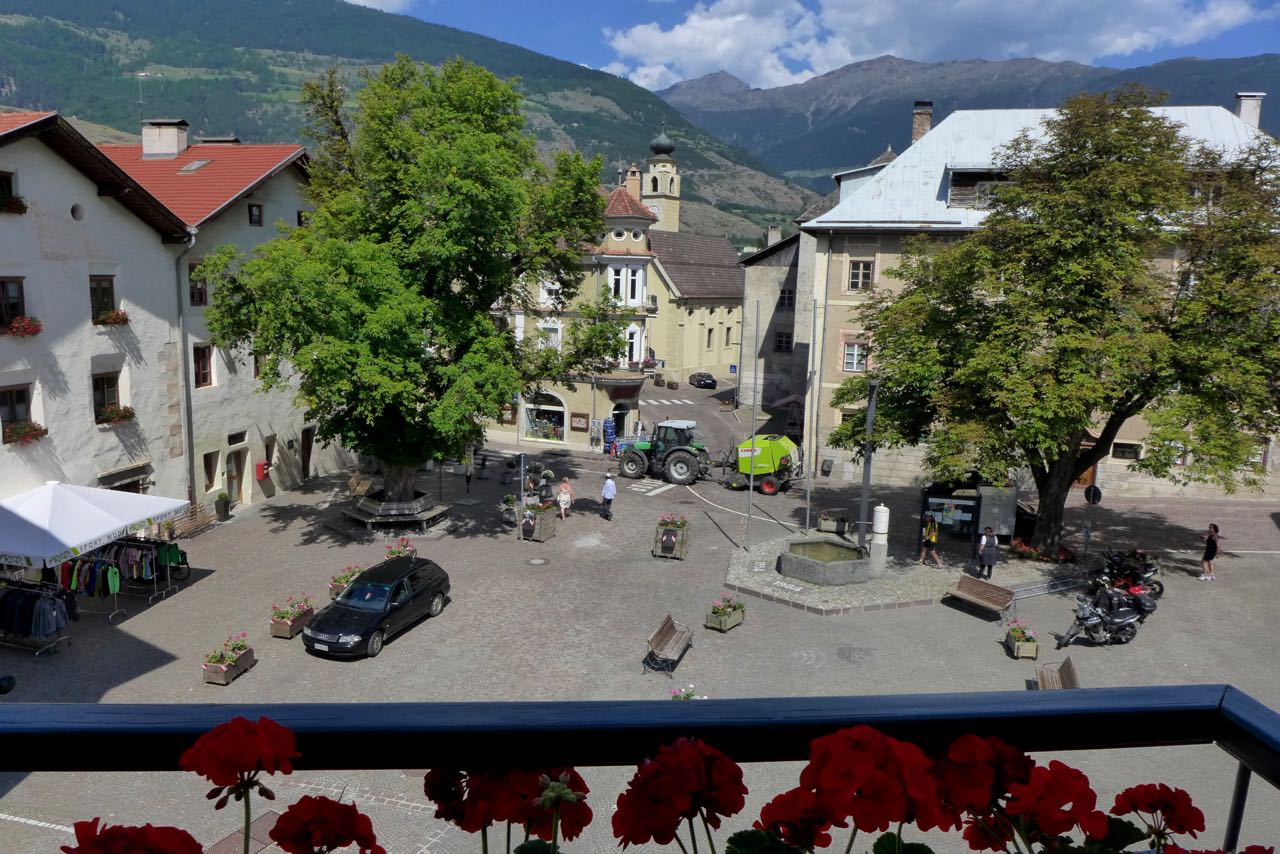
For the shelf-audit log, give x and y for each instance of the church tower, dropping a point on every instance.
(660, 190)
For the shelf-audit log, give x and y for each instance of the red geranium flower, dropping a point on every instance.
(320, 825)
(575, 814)
(1171, 809)
(241, 747)
(1058, 798)
(986, 833)
(686, 779)
(474, 800)
(91, 839)
(797, 819)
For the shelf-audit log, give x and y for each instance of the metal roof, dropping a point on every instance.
(911, 192)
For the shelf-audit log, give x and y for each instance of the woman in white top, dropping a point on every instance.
(564, 497)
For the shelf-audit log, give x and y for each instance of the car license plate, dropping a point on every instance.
(323, 647)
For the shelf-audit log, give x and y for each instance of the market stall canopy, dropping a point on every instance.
(57, 521)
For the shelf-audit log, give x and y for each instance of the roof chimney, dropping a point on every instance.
(1249, 107)
(632, 181)
(163, 138)
(921, 120)
(775, 234)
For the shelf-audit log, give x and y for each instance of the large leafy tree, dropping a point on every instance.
(431, 209)
(1123, 272)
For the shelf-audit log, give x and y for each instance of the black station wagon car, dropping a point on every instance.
(702, 379)
(380, 602)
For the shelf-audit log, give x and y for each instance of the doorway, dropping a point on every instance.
(308, 441)
(235, 476)
(620, 413)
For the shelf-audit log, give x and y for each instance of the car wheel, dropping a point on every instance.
(436, 606)
(375, 644)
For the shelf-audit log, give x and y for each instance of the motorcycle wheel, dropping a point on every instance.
(1124, 634)
(1155, 589)
(1068, 636)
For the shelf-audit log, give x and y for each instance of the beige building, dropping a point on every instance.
(681, 295)
(811, 285)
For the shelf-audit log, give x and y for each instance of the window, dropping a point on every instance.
(633, 286)
(710, 333)
(257, 368)
(855, 356)
(782, 342)
(237, 438)
(653, 182)
(973, 189)
(728, 336)
(203, 354)
(1187, 282)
(550, 336)
(210, 470)
(615, 282)
(637, 235)
(102, 296)
(255, 214)
(548, 293)
(787, 299)
(619, 234)
(106, 393)
(671, 186)
(861, 274)
(15, 405)
(1259, 455)
(197, 288)
(6, 185)
(302, 219)
(1126, 451)
(12, 301)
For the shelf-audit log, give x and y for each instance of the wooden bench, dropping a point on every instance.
(667, 645)
(1053, 675)
(983, 594)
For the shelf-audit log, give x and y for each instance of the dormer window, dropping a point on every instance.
(973, 188)
(195, 166)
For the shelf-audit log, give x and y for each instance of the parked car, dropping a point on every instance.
(702, 379)
(380, 602)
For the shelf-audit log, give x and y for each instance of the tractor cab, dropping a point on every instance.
(673, 434)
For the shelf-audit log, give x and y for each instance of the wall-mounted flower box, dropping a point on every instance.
(115, 317)
(22, 326)
(115, 415)
(13, 205)
(24, 432)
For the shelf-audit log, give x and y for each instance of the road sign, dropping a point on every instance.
(733, 369)
(1092, 494)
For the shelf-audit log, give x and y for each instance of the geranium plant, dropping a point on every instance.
(230, 650)
(115, 317)
(543, 803)
(347, 575)
(1019, 549)
(671, 520)
(115, 414)
(24, 432)
(1021, 632)
(402, 547)
(726, 605)
(291, 608)
(23, 326)
(686, 694)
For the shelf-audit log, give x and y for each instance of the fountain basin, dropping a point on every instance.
(819, 560)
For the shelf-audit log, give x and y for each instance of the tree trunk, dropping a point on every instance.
(1053, 487)
(397, 482)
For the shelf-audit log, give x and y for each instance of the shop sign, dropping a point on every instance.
(579, 422)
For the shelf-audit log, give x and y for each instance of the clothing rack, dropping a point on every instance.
(159, 566)
(83, 564)
(36, 645)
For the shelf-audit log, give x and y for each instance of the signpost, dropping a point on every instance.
(1093, 495)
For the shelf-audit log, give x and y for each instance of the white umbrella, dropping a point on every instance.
(57, 521)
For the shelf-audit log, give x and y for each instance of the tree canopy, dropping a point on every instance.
(1122, 271)
(430, 210)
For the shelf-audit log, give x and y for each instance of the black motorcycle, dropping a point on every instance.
(1108, 617)
(1133, 568)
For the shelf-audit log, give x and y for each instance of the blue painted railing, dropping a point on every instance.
(151, 737)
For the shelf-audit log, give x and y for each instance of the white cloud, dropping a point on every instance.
(775, 42)
(384, 5)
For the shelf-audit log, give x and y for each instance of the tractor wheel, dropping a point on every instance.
(682, 468)
(769, 485)
(634, 465)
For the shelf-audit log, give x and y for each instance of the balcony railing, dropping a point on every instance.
(134, 737)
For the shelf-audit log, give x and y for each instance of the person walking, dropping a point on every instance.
(1210, 553)
(468, 467)
(564, 497)
(929, 545)
(988, 552)
(607, 492)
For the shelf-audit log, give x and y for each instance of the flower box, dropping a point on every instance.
(24, 432)
(115, 317)
(23, 326)
(13, 204)
(115, 415)
(724, 622)
(1021, 649)
(671, 541)
(539, 524)
(288, 628)
(225, 674)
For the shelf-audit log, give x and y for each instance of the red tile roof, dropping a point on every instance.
(195, 196)
(13, 121)
(623, 204)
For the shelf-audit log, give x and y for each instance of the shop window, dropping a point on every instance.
(861, 275)
(783, 342)
(210, 470)
(198, 289)
(544, 417)
(203, 357)
(102, 296)
(106, 393)
(855, 356)
(255, 214)
(1126, 451)
(13, 301)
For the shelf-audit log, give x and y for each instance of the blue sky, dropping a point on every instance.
(775, 42)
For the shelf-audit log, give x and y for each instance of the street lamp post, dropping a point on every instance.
(863, 521)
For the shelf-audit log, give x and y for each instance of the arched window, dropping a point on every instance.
(654, 183)
(671, 188)
(544, 417)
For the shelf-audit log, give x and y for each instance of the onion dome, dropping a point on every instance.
(662, 143)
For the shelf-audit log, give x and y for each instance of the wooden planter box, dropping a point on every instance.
(1022, 649)
(225, 674)
(670, 542)
(288, 628)
(723, 624)
(831, 526)
(543, 527)
(509, 514)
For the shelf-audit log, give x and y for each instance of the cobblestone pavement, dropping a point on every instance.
(574, 628)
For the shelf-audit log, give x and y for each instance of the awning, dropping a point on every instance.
(57, 521)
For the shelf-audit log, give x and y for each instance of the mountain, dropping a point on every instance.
(846, 117)
(236, 66)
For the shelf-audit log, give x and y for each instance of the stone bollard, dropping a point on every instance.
(878, 558)
(880, 524)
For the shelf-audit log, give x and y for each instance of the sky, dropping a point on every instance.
(768, 43)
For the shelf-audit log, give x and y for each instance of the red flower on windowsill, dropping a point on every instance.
(23, 326)
(24, 432)
(91, 839)
(115, 317)
(321, 825)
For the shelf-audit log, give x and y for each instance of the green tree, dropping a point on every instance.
(431, 209)
(1122, 272)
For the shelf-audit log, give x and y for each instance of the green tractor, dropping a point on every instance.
(672, 452)
(774, 460)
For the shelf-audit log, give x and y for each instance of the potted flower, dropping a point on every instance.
(115, 414)
(24, 432)
(539, 522)
(671, 538)
(686, 694)
(831, 522)
(509, 516)
(115, 317)
(288, 619)
(222, 506)
(23, 326)
(673, 384)
(225, 664)
(340, 581)
(726, 613)
(1021, 640)
(402, 547)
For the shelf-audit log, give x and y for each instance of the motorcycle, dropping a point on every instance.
(1108, 617)
(1134, 568)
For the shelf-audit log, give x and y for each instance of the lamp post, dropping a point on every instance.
(863, 521)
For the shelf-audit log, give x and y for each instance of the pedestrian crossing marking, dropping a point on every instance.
(673, 402)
